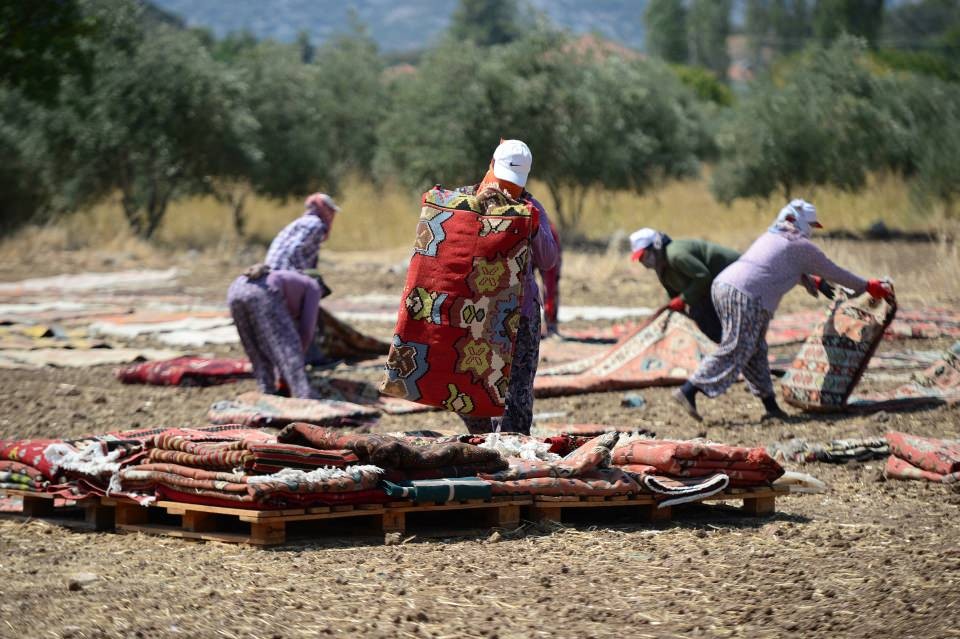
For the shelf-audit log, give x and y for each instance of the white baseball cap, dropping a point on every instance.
(802, 211)
(512, 161)
(641, 241)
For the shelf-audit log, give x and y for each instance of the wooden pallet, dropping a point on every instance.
(756, 502)
(86, 512)
(269, 527)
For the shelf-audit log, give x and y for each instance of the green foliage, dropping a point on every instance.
(822, 126)
(833, 18)
(589, 122)
(704, 84)
(921, 62)
(708, 25)
(485, 22)
(40, 43)
(666, 22)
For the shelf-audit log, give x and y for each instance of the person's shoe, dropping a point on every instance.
(686, 404)
(777, 413)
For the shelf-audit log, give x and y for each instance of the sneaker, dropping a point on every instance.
(681, 399)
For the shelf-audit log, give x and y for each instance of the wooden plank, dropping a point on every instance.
(171, 531)
(129, 513)
(330, 515)
(178, 508)
(394, 521)
(198, 521)
(268, 533)
(760, 506)
(99, 517)
(546, 513)
(459, 506)
(557, 498)
(503, 517)
(343, 508)
(641, 500)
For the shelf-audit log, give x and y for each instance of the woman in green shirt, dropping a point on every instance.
(686, 269)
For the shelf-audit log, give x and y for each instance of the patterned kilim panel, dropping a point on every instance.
(457, 324)
(834, 357)
(662, 353)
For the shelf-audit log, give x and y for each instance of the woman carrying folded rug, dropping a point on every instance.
(275, 313)
(746, 295)
(507, 177)
(686, 269)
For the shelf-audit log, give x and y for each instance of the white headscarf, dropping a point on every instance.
(796, 217)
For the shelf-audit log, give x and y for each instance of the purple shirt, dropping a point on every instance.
(302, 295)
(296, 247)
(544, 256)
(774, 264)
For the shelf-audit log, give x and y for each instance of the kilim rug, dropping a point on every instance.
(663, 353)
(744, 466)
(186, 371)
(460, 310)
(928, 323)
(670, 491)
(939, 384)
(259, 409)
(596, 483)
(357, 392)
(914, 457)
(833, 358)
(337, 340)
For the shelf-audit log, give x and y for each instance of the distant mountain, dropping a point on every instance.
(398, 25)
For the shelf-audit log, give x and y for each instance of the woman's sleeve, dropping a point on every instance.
(698, 275)
(546, 253)
(309, 310)
(818, 263)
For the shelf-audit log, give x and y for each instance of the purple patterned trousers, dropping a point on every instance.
(743, 348)
(268, 335)
(518, 415)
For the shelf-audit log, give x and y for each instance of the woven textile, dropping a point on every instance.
(460, 311)
(939, 384)
(602, 482)
(670, 491)
(337, 340)
(259, 409)
(744, 466)
(185, 371)
(834, 357)
(439, 490)
(914, 457)
(590, 456)
(390, 452)
(357, 392)
(927, 323)
(838, 451)
(664, 352)
(215, 498)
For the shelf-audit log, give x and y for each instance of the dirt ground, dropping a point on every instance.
(866, 559)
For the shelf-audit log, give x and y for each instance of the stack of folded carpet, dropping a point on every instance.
(837, 451)
(584, 472)
(682, 471)
(914, 457)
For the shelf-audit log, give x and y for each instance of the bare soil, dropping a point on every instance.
(869, 558)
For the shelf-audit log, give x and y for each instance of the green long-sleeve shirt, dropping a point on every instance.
(691, 267)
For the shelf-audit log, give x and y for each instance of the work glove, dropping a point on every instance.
(823, 286)
(677, 304)
(880, 289)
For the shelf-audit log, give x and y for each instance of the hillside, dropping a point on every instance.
(397, 26)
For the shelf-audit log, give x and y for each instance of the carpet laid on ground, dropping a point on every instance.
(832, 360)
(927, 458)
(260, 409)
(939, 384)
(186, 371)
(665, 352)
